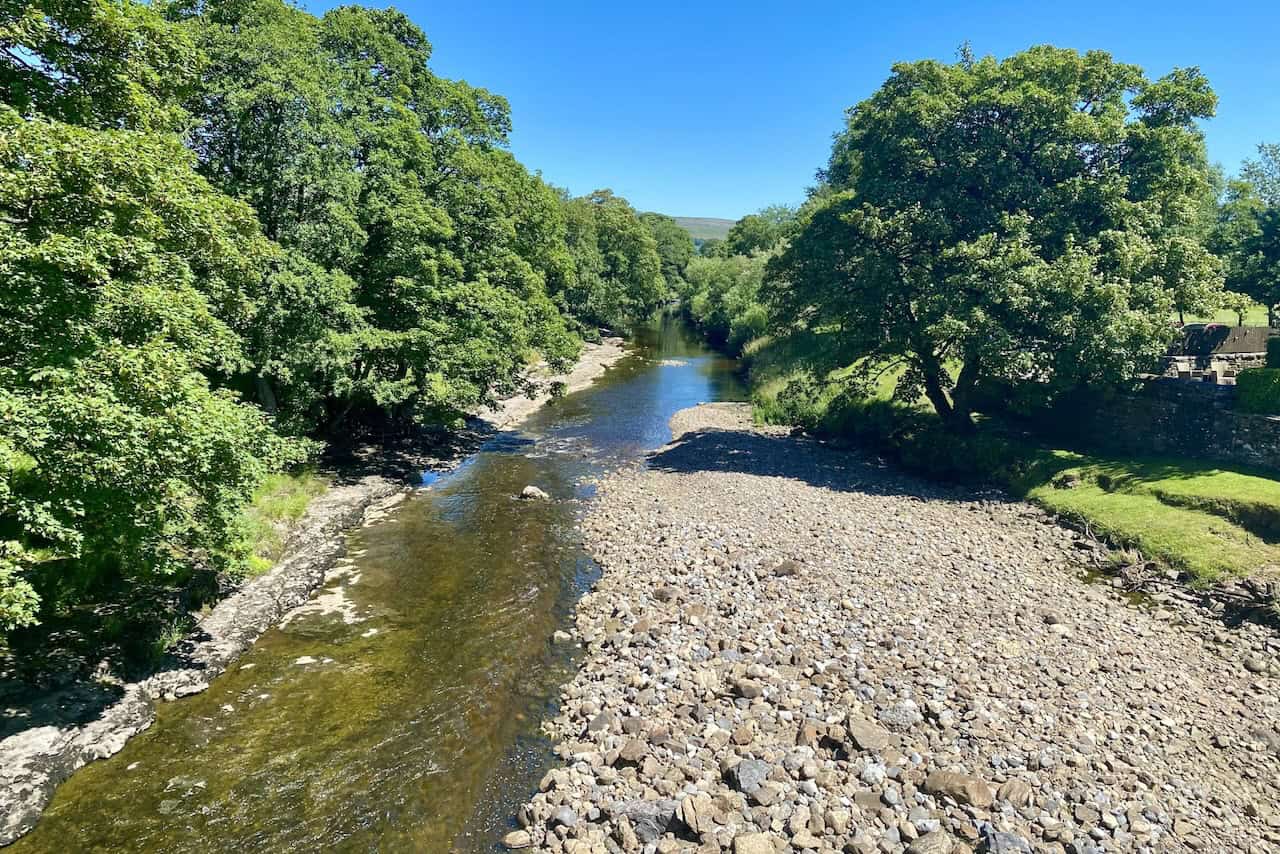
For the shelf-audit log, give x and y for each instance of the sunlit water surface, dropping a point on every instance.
(403, 715)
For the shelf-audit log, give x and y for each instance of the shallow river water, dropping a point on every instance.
(399, 711)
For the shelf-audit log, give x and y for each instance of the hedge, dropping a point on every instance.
(1259, 391)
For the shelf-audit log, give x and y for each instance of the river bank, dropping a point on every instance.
(793, 648)
(49, 739)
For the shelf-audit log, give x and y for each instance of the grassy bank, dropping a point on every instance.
(1210, 522)
(277, 506)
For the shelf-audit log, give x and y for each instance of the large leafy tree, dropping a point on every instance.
(1247, 232)
(759, 232)
(617, 268)
(1247, 238)
(441, 247)
(675, 247)
(1029, 221)
(123, 280)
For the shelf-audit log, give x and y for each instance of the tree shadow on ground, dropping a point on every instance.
(812, 461)
(405, 455)
(842, 469)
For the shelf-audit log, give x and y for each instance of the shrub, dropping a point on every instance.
(1273, 352)
(1259, 391)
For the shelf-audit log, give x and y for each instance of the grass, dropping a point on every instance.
(1208, 521)
(705, 227)
(277, 505)
(1256, 315)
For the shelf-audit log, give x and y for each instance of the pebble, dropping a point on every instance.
(793, 648)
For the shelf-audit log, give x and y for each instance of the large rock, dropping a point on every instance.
(532, 493)
(866, 735)
(960, 787)
(649, 819)
(937, 842)
(516, 840)
(747, 775)
(753, 843)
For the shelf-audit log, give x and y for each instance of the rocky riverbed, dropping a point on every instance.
(793, 649)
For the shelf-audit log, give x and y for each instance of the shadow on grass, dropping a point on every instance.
(1233, 602)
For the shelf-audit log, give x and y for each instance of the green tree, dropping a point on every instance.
(120, 463)
(617, 269)
(760, 232)
(1247, 239)
(1263, 173)
(722, 296)
(430, 250)
(1027, 221)
(94, 63)
(675, 247)
(711, 247)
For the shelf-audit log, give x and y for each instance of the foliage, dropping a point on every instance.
(675, 247)
(712, 247)
(1259, 390)
(1273, 352)
(1031, 219)
(338, 234)
(94, 63)
(120, 461)
(1247, 238)
(421, 254)
(618, 274)
(1263, 173)
(721, 295)
(759, 232)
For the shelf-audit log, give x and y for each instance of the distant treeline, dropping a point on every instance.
(230, 228)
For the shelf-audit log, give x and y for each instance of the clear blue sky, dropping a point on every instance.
(717, 109)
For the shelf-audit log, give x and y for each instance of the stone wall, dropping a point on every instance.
(1169, 417)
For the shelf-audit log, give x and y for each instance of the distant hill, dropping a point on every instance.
(705, 227)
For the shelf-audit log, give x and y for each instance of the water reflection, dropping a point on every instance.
(399, 711)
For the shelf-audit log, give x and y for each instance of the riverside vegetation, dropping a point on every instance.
(989, 240)
(231, 231)
(234, 231)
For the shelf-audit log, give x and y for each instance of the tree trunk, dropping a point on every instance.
(966, 383)
(955, 419)
(266, 395)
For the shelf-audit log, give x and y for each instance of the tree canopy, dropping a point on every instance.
(617, 268)
(229, 226)
(675, 247)
(1246, 234)
(1026, 221)
(759, 232)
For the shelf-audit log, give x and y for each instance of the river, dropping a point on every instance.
(400, 711)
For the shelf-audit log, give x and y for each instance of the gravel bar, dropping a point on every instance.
(794, 648)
